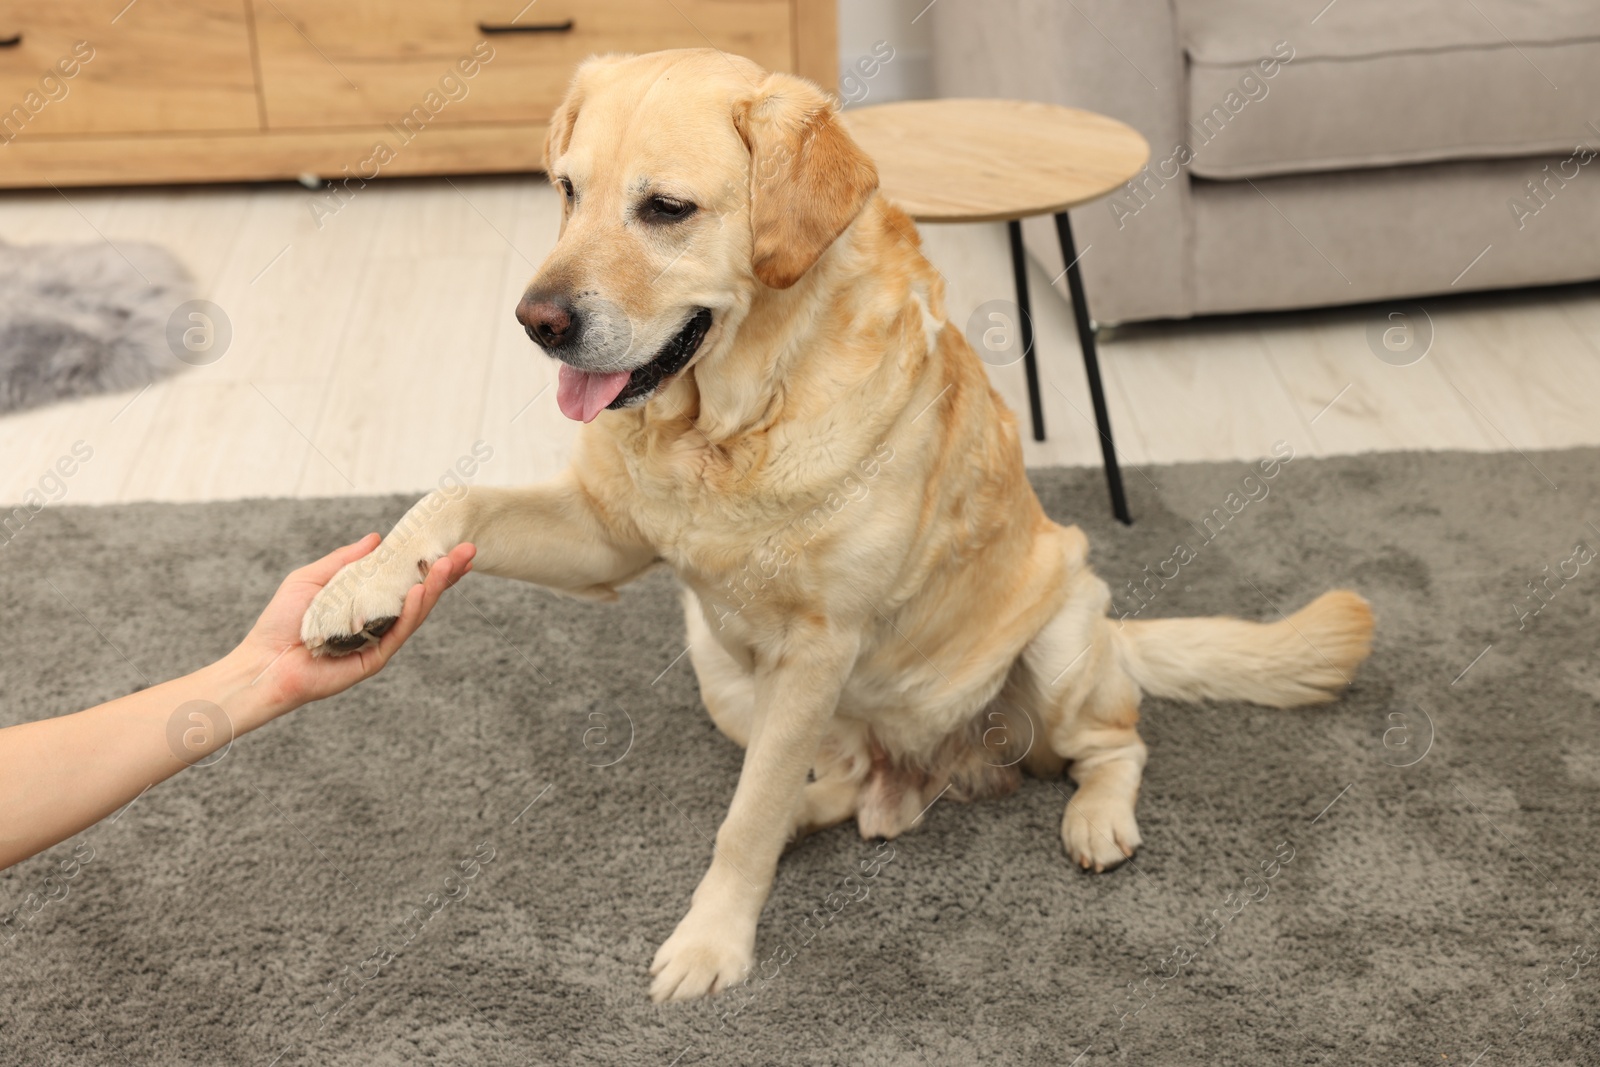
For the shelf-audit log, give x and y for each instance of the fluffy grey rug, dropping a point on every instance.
(76, 320)
(294, 903)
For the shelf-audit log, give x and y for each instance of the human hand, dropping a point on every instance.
(273, 649)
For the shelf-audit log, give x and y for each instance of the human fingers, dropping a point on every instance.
(420, 599)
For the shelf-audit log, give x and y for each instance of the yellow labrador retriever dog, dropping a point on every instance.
(776, 407)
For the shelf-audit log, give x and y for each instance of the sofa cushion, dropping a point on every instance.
(1275, 89)
(1308, 240)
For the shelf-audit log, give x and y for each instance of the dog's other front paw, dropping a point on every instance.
(703, 956)
(359, 605)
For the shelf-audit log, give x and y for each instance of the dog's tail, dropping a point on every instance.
(1306, 658)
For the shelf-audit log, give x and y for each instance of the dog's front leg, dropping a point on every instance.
(553, 534)
(796, 694)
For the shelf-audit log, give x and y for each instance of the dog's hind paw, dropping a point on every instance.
(1099, 833)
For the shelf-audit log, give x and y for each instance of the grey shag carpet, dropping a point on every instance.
(293, 904)
(77, 320)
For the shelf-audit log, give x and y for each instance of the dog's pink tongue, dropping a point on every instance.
(582, 395)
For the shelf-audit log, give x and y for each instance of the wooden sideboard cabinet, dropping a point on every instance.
(107, 92)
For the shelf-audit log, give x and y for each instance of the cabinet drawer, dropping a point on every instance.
(161, 65)
(360, 62)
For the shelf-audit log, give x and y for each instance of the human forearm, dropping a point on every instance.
(60, 775)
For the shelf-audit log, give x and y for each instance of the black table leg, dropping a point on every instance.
(1019, 268)
(1091, 367)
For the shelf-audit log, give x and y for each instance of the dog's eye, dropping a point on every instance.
(667, 209)
(566, 188)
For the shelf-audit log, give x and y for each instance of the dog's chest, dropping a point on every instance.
(736, 556)
(736, 534)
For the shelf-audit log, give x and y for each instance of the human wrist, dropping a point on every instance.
(245, 687)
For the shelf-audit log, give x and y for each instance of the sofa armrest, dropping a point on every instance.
(1121, 58)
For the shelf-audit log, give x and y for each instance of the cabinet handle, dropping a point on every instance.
(12, 41)
(532, 27)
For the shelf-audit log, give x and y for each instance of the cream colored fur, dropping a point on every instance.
(879, 610)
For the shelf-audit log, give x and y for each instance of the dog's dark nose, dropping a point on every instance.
(551, 321)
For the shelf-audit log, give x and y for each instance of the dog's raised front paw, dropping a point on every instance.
(360, 604)
(703, 956)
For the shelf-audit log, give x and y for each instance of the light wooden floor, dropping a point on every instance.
(369, 354)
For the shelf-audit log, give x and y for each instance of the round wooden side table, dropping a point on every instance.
(1004, 161)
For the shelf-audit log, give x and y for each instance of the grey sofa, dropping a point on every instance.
(1309, 153)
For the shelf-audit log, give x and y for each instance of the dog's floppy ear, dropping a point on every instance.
(808, 179)
(566, 113)
(560, 132)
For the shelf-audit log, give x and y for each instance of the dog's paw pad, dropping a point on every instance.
(341, 645)
(344, 644)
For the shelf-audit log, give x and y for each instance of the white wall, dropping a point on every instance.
(870, 29)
